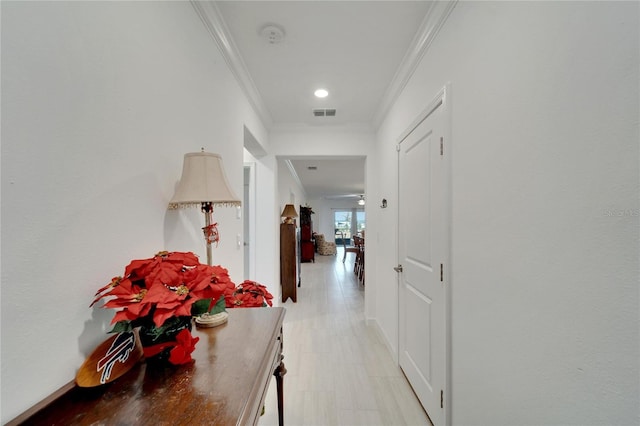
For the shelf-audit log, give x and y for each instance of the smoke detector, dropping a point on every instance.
(273, 33)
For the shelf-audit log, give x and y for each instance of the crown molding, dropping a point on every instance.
(216, 26)
(295, 177)
(433, 21)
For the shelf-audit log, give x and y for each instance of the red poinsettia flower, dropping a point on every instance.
(186, 344)
(145, 268)
(115, 281)
(249, 294)
(169, 303)
(226, 287)
(207, 281)
(181, 351)
(254, 287)
(162, 287)
(247, 300)
(230, 297)
(131, 298)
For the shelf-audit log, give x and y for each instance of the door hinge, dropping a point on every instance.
(441, 272)
(441, 399)
(441, 145)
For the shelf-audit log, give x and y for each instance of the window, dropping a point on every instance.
(342, 221)
(347, 223)
(360, 222)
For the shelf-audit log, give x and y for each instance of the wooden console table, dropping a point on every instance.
(226, 385)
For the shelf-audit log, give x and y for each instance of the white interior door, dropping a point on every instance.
(423, 252)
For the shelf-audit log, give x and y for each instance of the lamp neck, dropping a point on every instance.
(206, 207)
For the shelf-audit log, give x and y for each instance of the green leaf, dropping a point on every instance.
(200, 307)
(219, 307)
(121, 326)
(171, 325)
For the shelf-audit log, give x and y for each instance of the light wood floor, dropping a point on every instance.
(339, 372)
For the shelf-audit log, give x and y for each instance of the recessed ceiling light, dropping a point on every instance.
(321, 93)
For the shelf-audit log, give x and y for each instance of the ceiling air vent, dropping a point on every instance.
(324, 112)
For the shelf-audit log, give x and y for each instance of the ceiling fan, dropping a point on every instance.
(359, 197)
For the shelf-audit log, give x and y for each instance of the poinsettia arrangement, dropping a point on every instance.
(156, 293)
(248, 294)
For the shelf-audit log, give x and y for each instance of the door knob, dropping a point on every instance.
(398, 268)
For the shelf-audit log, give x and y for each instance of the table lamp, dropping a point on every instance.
(289, 213)
(204, 183)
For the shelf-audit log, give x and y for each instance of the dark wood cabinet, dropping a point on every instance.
(288, 261)
(307, 251)
(307, 247)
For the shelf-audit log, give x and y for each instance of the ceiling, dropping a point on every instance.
(341, 178)
(353, 49)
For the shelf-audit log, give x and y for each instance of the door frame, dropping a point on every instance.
(442, 100)
(249, 218)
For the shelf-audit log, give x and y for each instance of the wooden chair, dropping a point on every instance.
(358, 267)
(349, 249)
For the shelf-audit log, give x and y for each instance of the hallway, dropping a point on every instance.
(339, 371)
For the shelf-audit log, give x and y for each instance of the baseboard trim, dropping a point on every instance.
(373, 323)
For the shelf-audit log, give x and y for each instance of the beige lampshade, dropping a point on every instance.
(289, 211)
(203, 180)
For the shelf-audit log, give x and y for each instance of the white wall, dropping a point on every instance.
(267, 230)
(100, 101)
(333, 141)
(289, 189)
(545, 219)
(265, 238)
(267, 216)
(322, 223)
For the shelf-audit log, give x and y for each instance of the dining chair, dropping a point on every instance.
(347, 249)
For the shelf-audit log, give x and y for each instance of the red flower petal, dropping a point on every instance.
(186, 344)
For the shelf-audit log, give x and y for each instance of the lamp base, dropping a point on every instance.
(208, 320)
